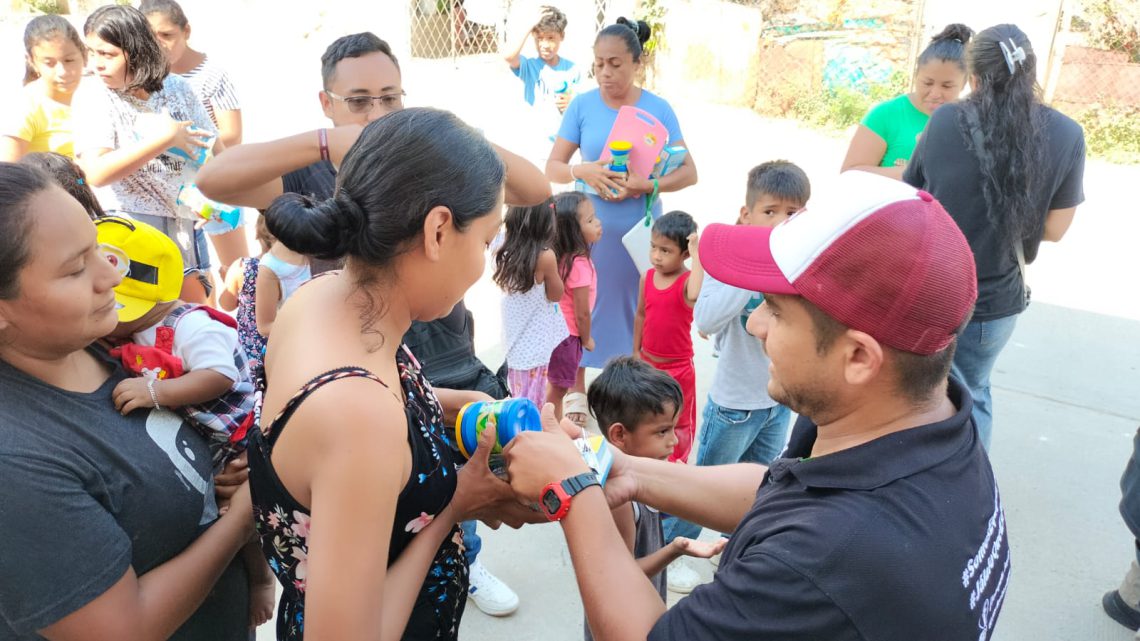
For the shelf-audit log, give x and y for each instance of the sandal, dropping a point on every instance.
(575, 408)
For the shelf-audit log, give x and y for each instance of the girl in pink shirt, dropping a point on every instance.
(576, 229)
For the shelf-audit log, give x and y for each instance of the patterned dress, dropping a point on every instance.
(251, 340)
(283, 523)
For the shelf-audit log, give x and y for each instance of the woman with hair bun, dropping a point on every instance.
(1010, 171)
(355, 488)
(622, 201)
(886, 137)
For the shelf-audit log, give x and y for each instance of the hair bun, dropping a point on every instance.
(315, 228)
(639, 27)
(956, 31)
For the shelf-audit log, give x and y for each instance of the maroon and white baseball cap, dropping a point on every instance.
(873, 253)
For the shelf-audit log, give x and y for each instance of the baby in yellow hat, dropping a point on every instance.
(185, 357)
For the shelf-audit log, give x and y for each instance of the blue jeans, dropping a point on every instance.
(978, 349)
(734, 436)
(471, 541)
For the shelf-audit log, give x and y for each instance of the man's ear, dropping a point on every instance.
(437, 226)
(862, 357)
(326, 103)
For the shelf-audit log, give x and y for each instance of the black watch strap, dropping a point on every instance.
(576, 484)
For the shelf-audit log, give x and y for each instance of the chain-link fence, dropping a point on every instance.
(819, 61)
(457, 28)
(1096, 75)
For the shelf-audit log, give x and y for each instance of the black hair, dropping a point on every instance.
(947, 46)
(18, 184)
(48, 27)
(552, 21)
(635, 33)
(68, 175)
(1003, 123)
(676, 226)
(569, 243)
(779, 178)
(170, 9)
(917, 376)
(629, 390)
(401, 167)
(352, 46)
(527, 231)
(125, 27)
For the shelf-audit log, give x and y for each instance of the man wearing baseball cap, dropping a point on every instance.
(881, 520)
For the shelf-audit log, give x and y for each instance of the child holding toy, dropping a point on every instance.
(184, 357)
(637, 407)
(662, 326)
(135, 131)
(549, 81)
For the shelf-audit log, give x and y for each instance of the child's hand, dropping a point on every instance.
(588, 344)
(131, 394)
(694, 243)
(699, 549)
(562, 100)
(703, 335)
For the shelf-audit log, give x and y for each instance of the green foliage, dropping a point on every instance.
(47, 6)
(1112, 132)
(653, 13)
(840, 108)
(1113, 25)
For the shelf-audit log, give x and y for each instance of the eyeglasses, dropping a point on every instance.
(363, 104)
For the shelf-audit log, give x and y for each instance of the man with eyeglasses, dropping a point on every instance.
(361, 83)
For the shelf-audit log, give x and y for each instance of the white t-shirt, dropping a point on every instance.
(201, 342)
(106, 119)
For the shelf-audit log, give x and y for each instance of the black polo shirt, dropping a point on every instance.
(902, 538)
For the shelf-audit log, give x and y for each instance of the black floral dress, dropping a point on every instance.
(283, 523)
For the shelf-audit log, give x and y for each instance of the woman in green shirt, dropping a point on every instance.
(885, 139)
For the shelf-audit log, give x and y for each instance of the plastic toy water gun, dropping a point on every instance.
(200, 154)
(211, 210)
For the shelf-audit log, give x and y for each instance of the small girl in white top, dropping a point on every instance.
(279, 273)
(527, 272)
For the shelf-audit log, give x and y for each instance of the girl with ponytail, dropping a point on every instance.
(355, 485)
(885, 139)
(1009, 170)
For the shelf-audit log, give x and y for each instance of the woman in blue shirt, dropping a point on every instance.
(586, 126)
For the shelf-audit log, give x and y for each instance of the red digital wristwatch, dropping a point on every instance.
(555, 497)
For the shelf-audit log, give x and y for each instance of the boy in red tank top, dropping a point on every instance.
(662, 327)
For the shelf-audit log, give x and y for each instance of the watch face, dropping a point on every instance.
(550, 501)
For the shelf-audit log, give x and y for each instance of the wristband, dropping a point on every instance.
(323, 138)
(153, 394)
(572, 176)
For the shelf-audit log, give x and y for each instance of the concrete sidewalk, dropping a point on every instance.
(1066, 410)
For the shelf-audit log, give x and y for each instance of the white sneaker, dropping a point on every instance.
(491, 595)
(682, 578)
